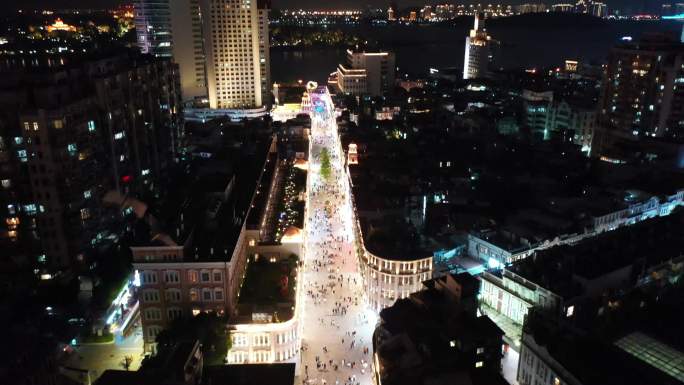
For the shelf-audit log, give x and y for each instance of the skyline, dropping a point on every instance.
(206, 192)
(632, 5)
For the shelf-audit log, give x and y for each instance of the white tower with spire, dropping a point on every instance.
(476, 51)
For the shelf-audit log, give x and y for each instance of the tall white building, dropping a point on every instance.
(598, 9)
(366, 73)
(221, 47)
(476, 51)
(236, 42)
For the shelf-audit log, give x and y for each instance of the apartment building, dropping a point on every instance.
(72, 132)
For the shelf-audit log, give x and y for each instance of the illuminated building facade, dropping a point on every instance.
(476, 58)
(391, 14)
(173, 29)
(498, 248)
(237, 52)
(426, 13)
(532, 8)
(367, 73)
(269, 342)
(172, 288)
(597, 9)
(59, 25)
(562, 7)
(512, 296)
(643, 94)
(221, 47)
(153, 27)
(196, 260)
(387, 279)
(352, 154)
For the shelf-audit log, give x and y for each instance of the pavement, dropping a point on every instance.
(96, 358)
(513, 330)
(509, 366)
(337, 324)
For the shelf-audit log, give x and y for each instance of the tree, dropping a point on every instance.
(325, 164)
(126, 362)
(209, 328)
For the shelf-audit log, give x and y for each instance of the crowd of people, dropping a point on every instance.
(338, 350)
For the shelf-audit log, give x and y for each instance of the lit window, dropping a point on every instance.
(479, 364)
(30, 209)
(119, 135)
(6, 183)
(193, 276)
(58, 123)
(570, 311)
(87, 194)
(35, 126)
(91, 125)
(85, 213)
(480, 350)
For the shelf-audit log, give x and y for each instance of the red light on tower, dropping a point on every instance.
(126, 178)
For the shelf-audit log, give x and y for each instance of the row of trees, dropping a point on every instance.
(325, 164)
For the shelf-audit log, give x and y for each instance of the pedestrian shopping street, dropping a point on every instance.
(337, 324)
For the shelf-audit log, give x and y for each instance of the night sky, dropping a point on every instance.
(318, 4)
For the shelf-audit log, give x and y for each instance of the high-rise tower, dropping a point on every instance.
(174, 29)
(236, 42)
(476, 51)
(643, 96)
(221, 47)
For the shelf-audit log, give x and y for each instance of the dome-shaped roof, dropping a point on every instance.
(292, 234)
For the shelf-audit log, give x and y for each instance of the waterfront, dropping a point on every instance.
(443, 46)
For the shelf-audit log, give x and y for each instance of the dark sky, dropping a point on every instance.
(329, 4)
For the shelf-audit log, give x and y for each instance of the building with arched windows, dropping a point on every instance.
(192, 254)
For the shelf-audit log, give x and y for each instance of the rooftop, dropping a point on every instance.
(250, 374)
(654, 353)
(589, 358)
(390, 237)
(642, 245)
(434, 334)
(211, 201)
(504, 239)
